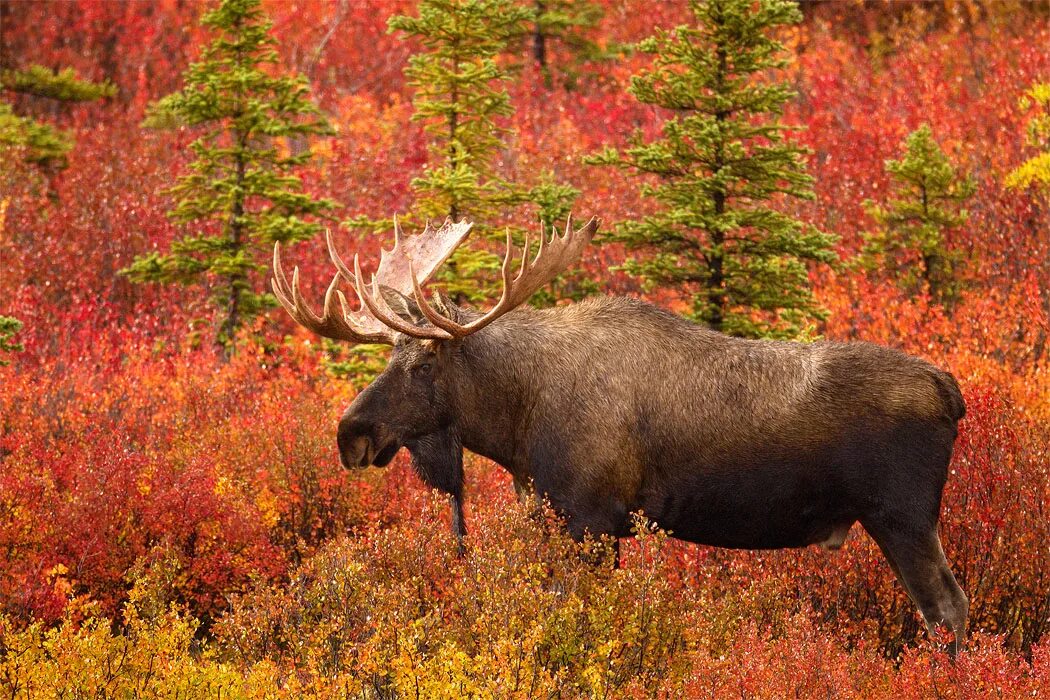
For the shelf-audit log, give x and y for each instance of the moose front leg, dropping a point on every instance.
(459, 526)
(438, 459)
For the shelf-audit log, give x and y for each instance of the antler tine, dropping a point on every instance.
(543, 243)
(525, 263)
(300, 303)
(279, 283)
(369, 299)
(553, 257)
(336, 259)
(448, 325)
(339, 324)
(332, 315)
(508, 263)
(285, 293)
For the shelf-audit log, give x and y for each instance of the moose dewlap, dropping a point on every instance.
(613, 406)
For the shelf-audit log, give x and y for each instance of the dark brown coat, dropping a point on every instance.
(612, 406)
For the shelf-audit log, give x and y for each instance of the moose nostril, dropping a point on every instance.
(355, 452)
(354, 441)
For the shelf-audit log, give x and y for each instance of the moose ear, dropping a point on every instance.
(406, 307)
(401, 305)
(446, 307)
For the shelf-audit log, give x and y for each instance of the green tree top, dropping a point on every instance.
(926, 203)
(241, 193)
(722, 158)
(462, 101)
(460, 95)
(563, 22)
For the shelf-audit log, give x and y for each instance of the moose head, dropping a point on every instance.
(428, 381)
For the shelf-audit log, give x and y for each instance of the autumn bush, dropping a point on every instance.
(176, 525)
(113, 462)
(393, 612)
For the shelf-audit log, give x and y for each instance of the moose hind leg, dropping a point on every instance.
(918, 560)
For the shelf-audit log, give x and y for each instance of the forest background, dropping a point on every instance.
(174, 521)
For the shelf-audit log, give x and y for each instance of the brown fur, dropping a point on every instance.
(612, 406)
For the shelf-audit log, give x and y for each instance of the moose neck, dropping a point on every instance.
(497, 386)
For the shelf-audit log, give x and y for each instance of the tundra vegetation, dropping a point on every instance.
(174, 519)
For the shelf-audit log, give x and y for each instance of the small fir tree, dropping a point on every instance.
(1035, 172)
(911, 242)
(241, 194)
(722, 160)
(39, 143)
(462, 101)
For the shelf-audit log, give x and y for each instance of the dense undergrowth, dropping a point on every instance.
(175, 526)
(190, 508)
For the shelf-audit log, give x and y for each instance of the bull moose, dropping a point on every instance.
(612, 406)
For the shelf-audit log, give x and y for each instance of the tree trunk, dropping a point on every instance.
(539, 46)
(453, 127)
(716, 294)
(233, 303)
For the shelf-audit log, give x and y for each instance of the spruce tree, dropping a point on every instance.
(241, 193)
(462, 101)
(911, 243)
(39, 143)
(721, 163)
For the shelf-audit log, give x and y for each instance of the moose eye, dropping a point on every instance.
(423, 370)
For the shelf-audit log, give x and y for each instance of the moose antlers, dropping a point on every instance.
(406, 268)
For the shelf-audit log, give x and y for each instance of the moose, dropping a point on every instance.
(612, 406)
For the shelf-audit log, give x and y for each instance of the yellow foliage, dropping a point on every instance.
(1034, 171)
(148, 661)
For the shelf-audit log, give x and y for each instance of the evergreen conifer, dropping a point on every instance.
(911, 243)
(563, 22)
(723, 160)
(36, 142)
(462, 101)
(241, 194)
(39, 143)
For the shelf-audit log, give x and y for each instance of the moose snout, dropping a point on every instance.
(355, 442)
(363, 442)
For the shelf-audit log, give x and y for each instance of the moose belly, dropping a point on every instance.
(767, 507)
